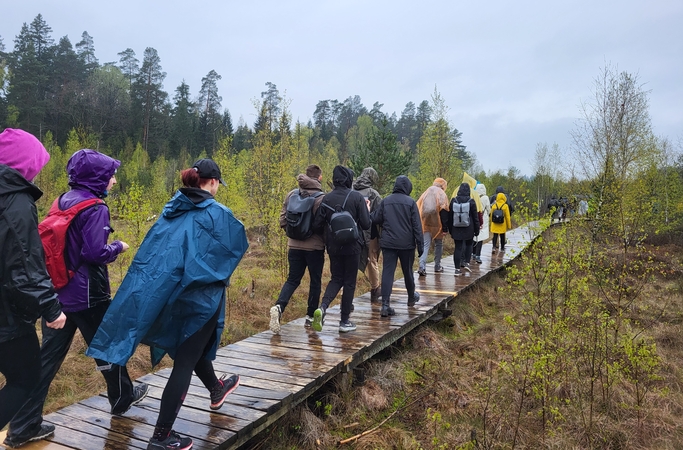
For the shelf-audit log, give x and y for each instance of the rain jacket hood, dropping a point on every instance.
(368, 178)
(176, 282)
(403, 185)
(480, 191)
(466, 178)
(342, 176)
(22, 152)
(91, 170)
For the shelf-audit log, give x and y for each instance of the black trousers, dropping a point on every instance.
(299, 261)
(56, 344)
(344, 270)
(190, 356)
(476, 249)
(458, 253)
(20, 364)
(502, 240)
(391, 256)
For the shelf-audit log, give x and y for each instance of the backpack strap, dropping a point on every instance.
(347, 197)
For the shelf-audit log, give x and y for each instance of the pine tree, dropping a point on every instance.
(86, 52)
(209, 105)
(128, 64)
(183, 121)
(150, 99)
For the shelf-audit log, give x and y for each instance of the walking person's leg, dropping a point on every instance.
(407, 258)
(457, 254)
(422, 267)
(502, 242)
(438, 253)
(20, 364)
(372, 268)
(388, 271)
(350, 276)
(315, 260)
(331, 291)
(27, 424)
(297, 267)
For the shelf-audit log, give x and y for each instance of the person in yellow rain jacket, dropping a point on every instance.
(500, 221)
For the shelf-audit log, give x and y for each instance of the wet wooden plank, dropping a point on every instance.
(36, 445)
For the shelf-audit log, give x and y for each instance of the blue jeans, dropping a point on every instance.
(438, 250)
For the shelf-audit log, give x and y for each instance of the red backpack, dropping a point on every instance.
(52, 232)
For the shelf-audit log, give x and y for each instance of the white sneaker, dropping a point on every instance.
(275, 315)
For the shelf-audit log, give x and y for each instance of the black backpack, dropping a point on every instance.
(300, 216)
(498, 215)
(461, 214)
(342, 226)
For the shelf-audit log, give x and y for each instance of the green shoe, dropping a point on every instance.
(318, 319)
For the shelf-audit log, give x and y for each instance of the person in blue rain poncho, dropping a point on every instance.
(173, 296)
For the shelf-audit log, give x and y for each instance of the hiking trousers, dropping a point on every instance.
(344, 270)
(299, 261)
(438, 250)
(56, 344)
(391, 257)
(20, 364)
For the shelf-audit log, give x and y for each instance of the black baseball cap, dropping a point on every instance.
(207, 168)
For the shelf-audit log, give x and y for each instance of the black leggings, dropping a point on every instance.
(189, 356)
(20, 364)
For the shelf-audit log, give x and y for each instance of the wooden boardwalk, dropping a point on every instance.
(277, 372)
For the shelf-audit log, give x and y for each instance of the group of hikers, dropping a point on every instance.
(355, 225)
(172, 297)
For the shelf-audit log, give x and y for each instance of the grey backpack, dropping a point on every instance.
(461, 215)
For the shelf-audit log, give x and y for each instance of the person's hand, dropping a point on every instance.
(125, 246)
(58, 323)
(367, 203)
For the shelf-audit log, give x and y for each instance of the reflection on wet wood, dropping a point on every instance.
(276, 372)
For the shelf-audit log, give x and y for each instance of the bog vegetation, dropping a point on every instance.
(576, 345)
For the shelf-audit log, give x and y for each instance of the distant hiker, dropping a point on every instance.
(500, 190)
(399, 218)
(349, 209)
(86, 295)
(306, 248)
(369, 256)
(433, 208)
(583, 207)
(173, 296)
(500, 221)
(463, 224)
(26, 292)
(480, 190)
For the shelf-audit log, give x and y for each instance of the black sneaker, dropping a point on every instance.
(318, 319)
(415, 299)
(438, 269)
(345, 327)
(45, 430)
(172, 442)
(422, 272)
(466, 267)
(457, 272)
(275, 315)
(224, 387)
(139, 393)
(386, 311)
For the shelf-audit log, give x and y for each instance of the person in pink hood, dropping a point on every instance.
(26, 291)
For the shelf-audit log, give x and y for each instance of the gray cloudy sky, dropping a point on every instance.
(512, 73)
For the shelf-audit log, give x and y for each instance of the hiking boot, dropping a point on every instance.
(345, 327)
(221, 390)
(438, 269)
(387, 310)
(457, 272)
(466, 267)
(45, 430)
(139, 393)
(318, 319)
(422, 272)
(275, 316)
(308, 322)
(172, 442)
(415, 299)
(374, 295)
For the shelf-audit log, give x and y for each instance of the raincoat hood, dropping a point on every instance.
(91, 170)
(306, 182)
(22, 152)
(464, 190)
(403, 185)
(440, 182)
(367, 179)
(466, 178)
(480, 189)
(181, 203)
(342, 176)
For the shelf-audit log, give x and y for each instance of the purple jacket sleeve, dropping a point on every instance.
(96, 230)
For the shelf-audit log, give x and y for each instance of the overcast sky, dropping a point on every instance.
(512, 73)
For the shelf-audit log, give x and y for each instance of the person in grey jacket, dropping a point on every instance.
(401, 235)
